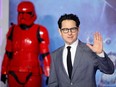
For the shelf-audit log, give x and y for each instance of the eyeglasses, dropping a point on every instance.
(66, 30)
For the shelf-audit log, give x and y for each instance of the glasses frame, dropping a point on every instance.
(66, 30)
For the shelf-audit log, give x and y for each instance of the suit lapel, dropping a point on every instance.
(78, 56)
(64, 74)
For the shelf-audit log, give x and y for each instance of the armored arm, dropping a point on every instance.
(7, 55)
(44, 49)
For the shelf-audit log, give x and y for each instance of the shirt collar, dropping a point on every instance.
(73, 45)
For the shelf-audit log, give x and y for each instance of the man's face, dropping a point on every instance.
(69, 31)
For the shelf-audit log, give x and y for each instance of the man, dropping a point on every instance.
(26, 41)
(86, 59)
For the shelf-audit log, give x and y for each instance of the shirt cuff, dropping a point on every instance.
(101, 54)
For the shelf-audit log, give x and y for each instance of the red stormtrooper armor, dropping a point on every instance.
(26, 42)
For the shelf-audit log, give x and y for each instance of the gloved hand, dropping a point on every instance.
(47, 80)
(3, 78)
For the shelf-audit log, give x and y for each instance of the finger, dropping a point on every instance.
(97, 36)
(89, 45)
(100, 36)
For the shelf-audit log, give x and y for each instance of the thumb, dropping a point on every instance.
(89, 45)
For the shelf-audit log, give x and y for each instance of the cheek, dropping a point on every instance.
(63, 36)
(76, 35)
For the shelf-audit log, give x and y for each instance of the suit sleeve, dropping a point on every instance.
(52, 82)
(105, 64)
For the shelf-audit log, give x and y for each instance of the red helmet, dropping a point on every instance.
(26, 13)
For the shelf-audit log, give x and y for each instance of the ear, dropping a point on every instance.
(78, 29)
(59, 31)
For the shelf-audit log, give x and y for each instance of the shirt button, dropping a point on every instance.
(71, 83)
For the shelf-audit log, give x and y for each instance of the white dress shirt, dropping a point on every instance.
(73, 51)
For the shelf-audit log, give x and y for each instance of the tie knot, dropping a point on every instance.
(68, 47)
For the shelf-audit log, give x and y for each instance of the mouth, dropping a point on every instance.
(69, 37)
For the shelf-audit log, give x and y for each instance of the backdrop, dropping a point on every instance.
(95, 15)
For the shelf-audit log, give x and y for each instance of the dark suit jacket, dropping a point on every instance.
(86, 63)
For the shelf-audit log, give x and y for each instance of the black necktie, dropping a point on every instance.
(69, 62)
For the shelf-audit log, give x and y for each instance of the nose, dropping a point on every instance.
(69, 32)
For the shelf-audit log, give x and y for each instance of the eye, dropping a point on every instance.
(74, 29)
(65, 29)
(20, 12)
(30, 13)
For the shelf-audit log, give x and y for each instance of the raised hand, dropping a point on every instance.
(97, 46)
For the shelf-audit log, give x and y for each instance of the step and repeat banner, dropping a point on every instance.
(94, 15)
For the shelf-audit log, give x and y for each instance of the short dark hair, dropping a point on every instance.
(68, 17)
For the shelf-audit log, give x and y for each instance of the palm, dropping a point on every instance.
(98, 43)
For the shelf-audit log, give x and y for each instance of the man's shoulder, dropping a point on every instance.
(83, 46)
(58, 49)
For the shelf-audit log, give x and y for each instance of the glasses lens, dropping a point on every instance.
(73, 30)
(66, 30)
